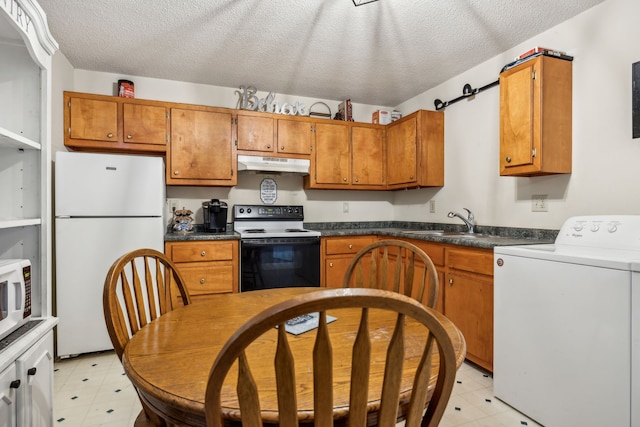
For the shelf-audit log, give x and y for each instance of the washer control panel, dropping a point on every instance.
(612, 231)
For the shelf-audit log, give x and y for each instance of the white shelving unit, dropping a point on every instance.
(26, 48)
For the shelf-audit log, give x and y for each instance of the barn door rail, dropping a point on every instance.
(467, 92)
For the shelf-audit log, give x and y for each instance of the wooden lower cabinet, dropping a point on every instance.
(336, 254)
(208, 267)
(468, 300)
(465, 276)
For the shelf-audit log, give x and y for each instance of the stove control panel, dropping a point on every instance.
(273, 212)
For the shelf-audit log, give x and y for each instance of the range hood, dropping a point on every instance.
(257, 164)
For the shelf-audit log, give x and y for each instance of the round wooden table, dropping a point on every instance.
(169, 360)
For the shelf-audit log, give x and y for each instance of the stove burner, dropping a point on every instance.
(255, 230)
(295, 230)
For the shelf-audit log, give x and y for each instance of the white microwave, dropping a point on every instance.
(15, 294)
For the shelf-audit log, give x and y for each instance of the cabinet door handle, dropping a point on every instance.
(31, 371)
(202, 281)
(129, 136)
(14, 384)
(356, 179)
(508, 159)
(109, 135)
(411, 177)
(176, 172)
(450, 282)
(203, 253)
(282, 148)
(350, 246)
(330, 264)
(344, 179)
(269, 146)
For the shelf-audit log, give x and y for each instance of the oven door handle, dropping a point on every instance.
(270, 241)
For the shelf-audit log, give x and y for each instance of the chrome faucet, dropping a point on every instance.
(468, 221)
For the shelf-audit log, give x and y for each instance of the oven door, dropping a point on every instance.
(279, 263)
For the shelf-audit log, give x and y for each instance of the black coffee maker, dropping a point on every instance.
(215, 216)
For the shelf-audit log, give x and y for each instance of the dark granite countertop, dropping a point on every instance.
(486, 237)
(197, 234)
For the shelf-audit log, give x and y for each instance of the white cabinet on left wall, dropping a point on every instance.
(26, 355)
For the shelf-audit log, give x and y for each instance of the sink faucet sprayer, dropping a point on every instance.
(468, 221)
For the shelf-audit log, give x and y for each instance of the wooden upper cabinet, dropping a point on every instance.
(109, 123)
(146, 124)
(256, 132)
(201, 151)
(402, 163)
(332, 154)
(92, 119)
(273, 134)
(347, 155)
(415, 151)
(536, 118)
(367, 156)
(294, 135)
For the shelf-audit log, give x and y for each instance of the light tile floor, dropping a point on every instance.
(92, 390)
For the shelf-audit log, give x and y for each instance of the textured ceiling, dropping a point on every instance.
(381, 53)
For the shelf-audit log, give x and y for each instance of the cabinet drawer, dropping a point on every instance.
(202, 251)
(208, 278)
(475, 261)
(434, 250)
(349, 245)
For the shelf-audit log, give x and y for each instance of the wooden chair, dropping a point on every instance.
(136, 291)
(322, 366)
(394, 265)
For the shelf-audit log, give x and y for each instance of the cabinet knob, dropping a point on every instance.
(14, 384)
(176, 172)
(344, 179)
(411, 177)
(203, 253)
(356, 179)
(350, 246)
(330, 264)
(508, 159)
(129, 136)
(450, 282)
(109, 135)
(269, 146)
(32, 371)
(282, 148)
(202, 281)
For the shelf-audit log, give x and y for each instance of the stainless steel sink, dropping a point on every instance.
(442, 233)
(430, 232)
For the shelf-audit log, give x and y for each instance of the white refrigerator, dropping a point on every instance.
(105, 206)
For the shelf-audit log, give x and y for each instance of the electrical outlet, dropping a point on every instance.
(539, 203)
(345, 207)
(432, 206)
(173, 204)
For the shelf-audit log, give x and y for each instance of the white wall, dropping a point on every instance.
(604, 43)
(606, 159)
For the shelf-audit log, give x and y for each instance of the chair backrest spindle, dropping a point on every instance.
(408, 267)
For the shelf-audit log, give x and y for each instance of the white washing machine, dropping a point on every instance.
(567, 324)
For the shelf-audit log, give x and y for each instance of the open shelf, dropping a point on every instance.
(13, 140)
(19, 222)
